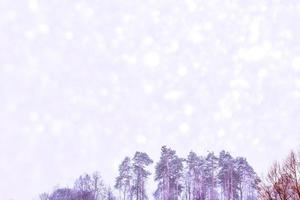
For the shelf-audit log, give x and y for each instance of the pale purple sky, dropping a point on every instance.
(85, 83)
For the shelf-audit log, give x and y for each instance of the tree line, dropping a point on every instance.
(196, 177)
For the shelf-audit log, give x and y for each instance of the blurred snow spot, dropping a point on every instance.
(156, 16)
(56, 126)
(148, 88)
(172, 47)
(103, 92)
(263, 6)
(184, 128)
(39, 128)
(297, 83)
(240, 136)
(45, 79)
(173, 95)
(221, 133)
(48, 117)
(11, 107)
(152, 59)
(262, 73)
(196, 65)
(100, 42)
(69, 35)
(30, 34)
(276, 54)
(33, 5)
(222, 15)
(43, 28)
(182, 71)
(84, 10)
(110, 107)
(7, 67)
(141, 139)
(255, 53)
(170, 118)
(296, 63)
(235, 95)
(130, 59)
(126, 18)
(191, 5)
(34, 116)
(254, 30)
(75, 99)
(224, 113)
(296, 94)
(255, 141)
(239, 83)
(114, 78)
(234, 125)
(120, 31)
(195, 35)
(11, 15)
(147, 41)
(188, 110)
(26, 129)
(286, 34)
(207, 26)
(107, 131)
(259, 98)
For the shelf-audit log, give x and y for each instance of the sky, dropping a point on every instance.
(85, 83)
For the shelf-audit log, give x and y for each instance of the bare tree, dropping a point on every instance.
(292, 169)
(91, 183)
(282, 181)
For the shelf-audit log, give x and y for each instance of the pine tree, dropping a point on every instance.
(168, 172)
(110, 195)
(248, 179)
(140, 162)
(228, 176)
(211, 167)
(194, 179)
(124, 180)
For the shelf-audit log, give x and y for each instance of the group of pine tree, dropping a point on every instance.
(196, 177)
(209, 177)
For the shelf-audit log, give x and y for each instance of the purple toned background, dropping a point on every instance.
(85, 83)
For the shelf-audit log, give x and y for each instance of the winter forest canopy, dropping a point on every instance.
(195, 177)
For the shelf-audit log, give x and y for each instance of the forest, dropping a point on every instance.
(196, 177)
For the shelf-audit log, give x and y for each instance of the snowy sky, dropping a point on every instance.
(85, 83)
